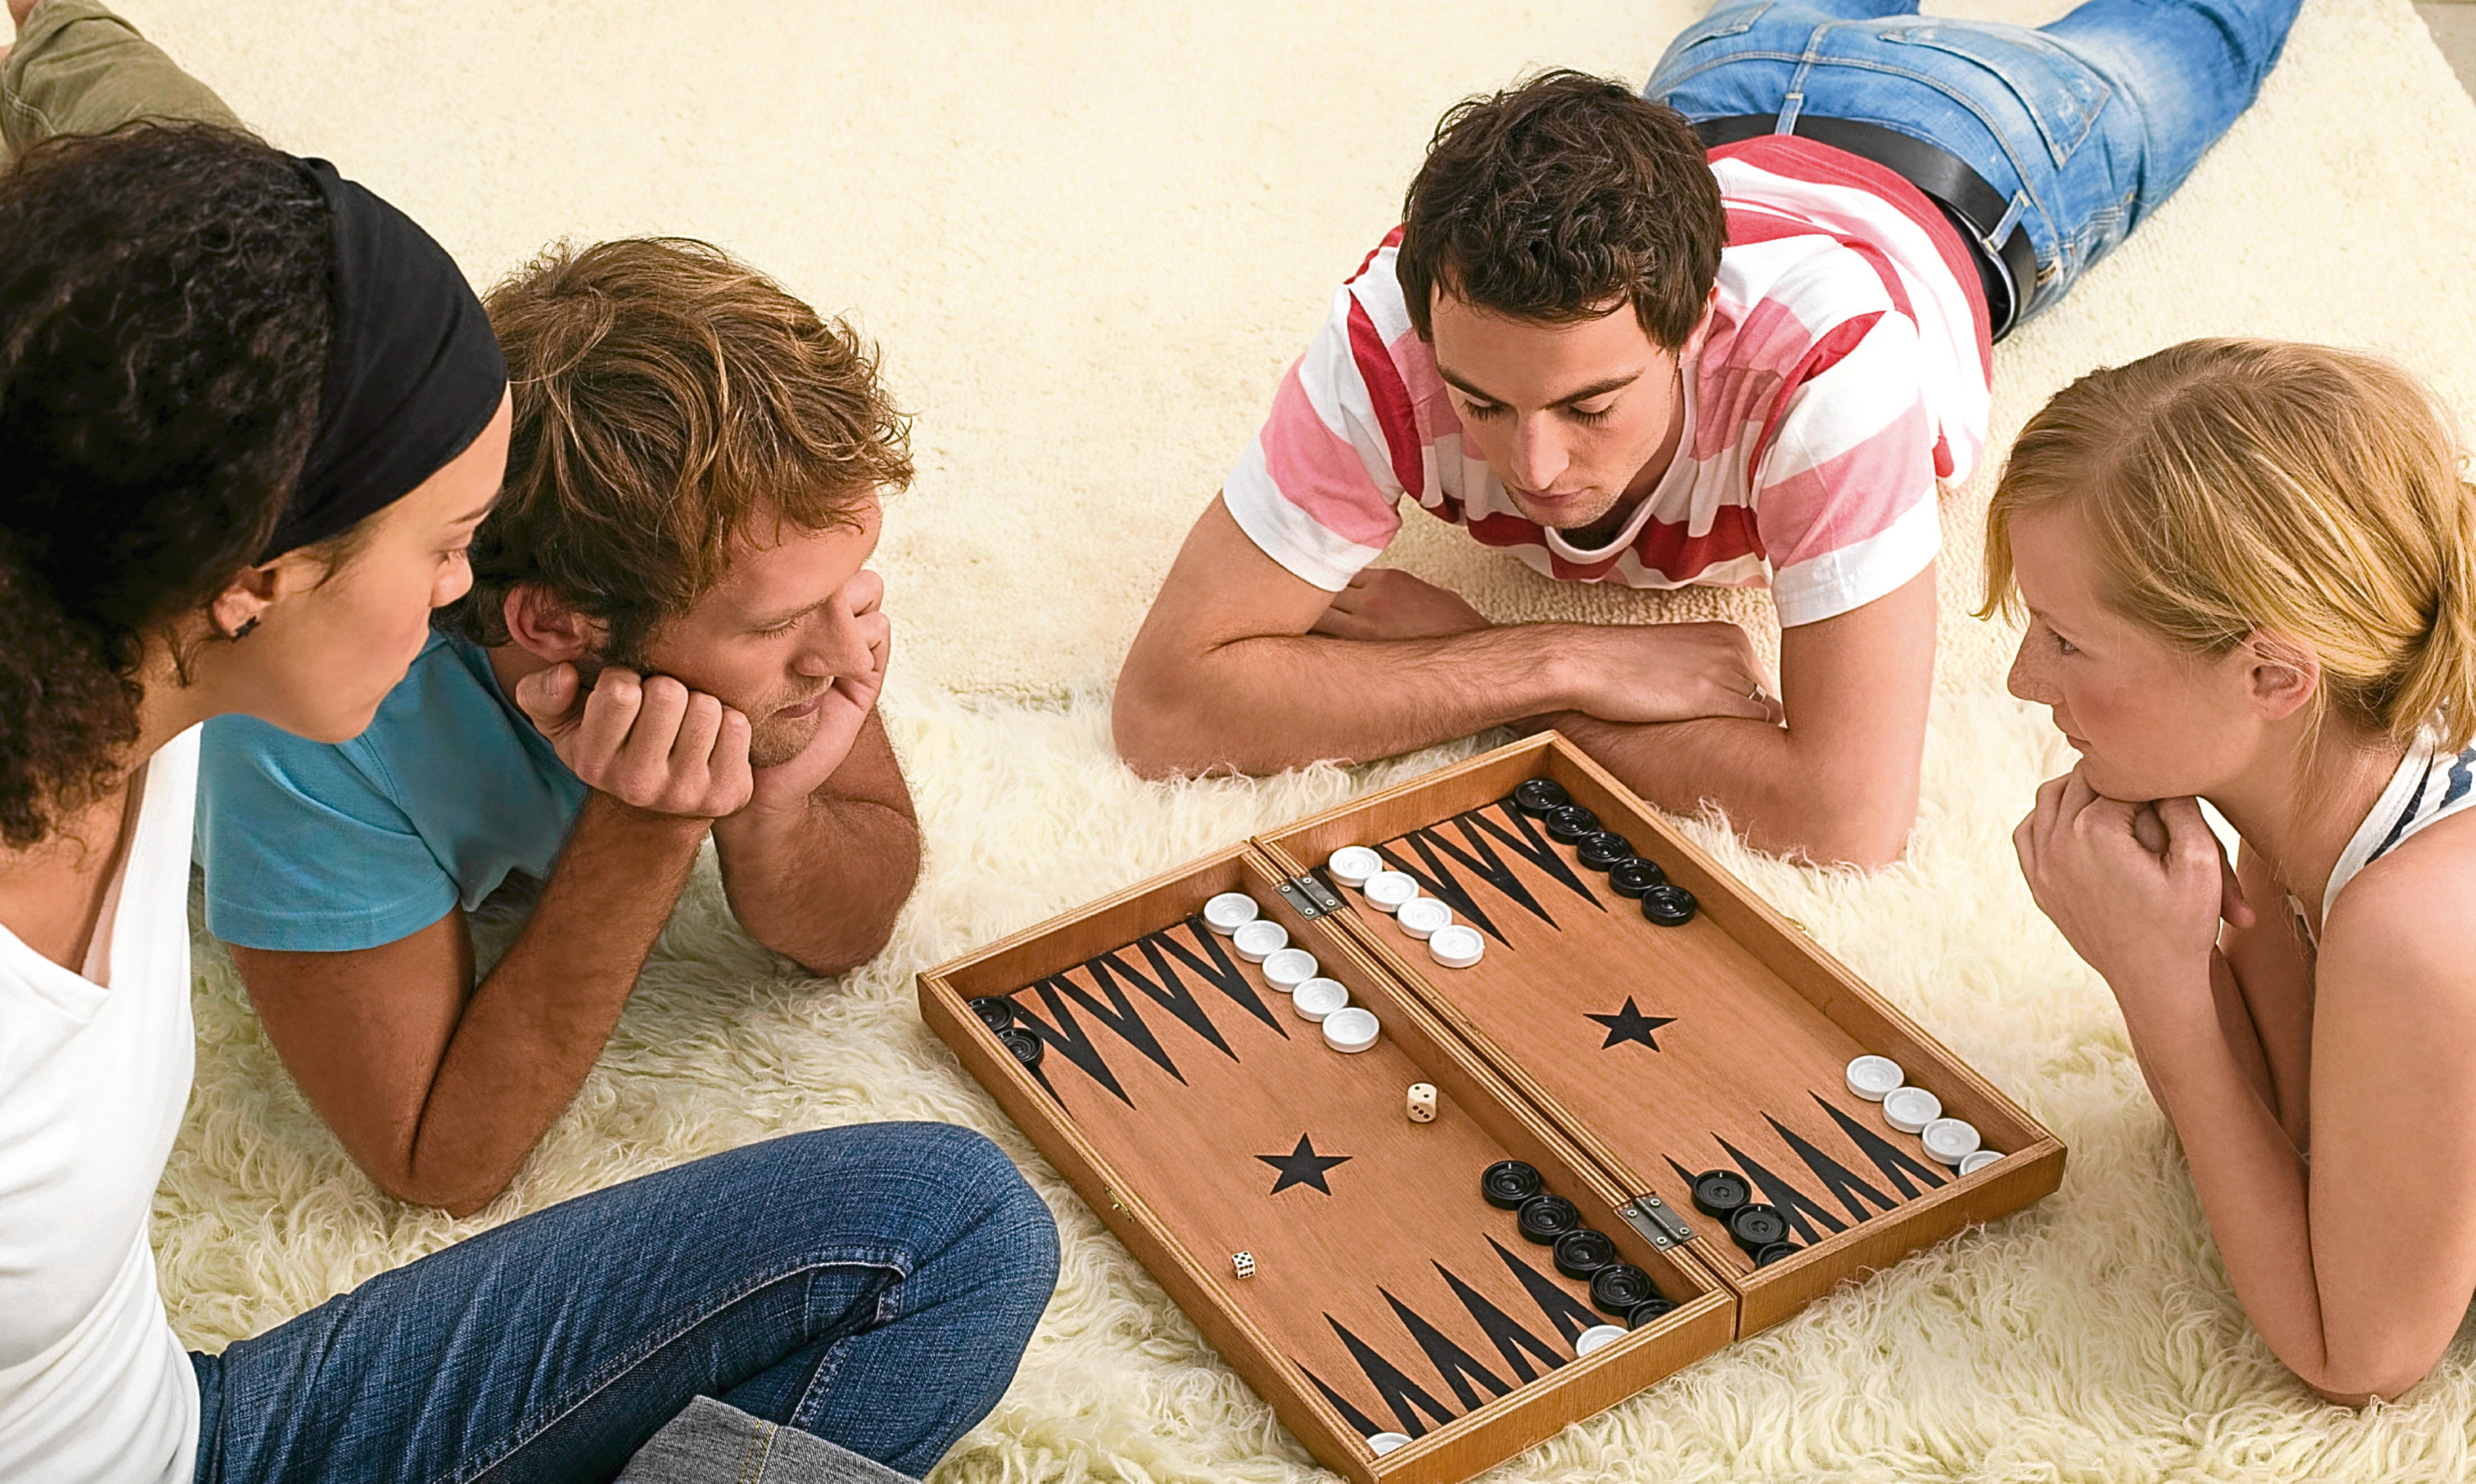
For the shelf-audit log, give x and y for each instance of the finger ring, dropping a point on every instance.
(1757, 695)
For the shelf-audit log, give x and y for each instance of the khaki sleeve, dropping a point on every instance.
(76, 68)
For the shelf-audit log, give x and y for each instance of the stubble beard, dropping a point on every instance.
(774, 742)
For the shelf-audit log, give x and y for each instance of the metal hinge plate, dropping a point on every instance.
(1656, 1220)
(1309, 897)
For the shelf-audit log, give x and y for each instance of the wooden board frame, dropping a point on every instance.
(1475, 1073)
(2034, 1163)
(1473, 1442)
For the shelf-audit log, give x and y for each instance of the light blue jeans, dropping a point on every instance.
(873, 1286)
(2084, 125)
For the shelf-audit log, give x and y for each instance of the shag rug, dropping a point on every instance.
(1089, 236)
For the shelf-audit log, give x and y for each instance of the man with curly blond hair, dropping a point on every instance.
(672, 632)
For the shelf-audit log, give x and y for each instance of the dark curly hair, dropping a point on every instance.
(666, 395)
(1560, 198)
(165, 314)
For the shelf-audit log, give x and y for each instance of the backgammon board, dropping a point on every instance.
(1634, 1033)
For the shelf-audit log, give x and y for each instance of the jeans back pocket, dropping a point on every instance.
(2060, 92)
(1723, 20)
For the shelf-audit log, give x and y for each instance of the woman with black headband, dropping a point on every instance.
(250, 415)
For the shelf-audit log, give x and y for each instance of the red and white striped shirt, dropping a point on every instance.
(1843, 371)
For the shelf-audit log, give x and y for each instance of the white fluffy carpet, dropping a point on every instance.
(1090, 235)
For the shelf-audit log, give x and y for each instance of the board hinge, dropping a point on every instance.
(1309, 897)
(1656, 1220)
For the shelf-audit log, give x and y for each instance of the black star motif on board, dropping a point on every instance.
(1631, 1025)
(1303, 1166)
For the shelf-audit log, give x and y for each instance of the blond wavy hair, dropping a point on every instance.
(2236, 486)
(666, 398)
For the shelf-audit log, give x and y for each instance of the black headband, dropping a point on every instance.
(413, 373)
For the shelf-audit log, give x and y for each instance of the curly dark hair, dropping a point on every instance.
(165, 314)
(665, 395)
(1559, 198)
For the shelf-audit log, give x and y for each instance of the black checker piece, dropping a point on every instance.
(1582, 1251)
(1619, 1288)
(1601, 849)
(1508, 1183)
(1026, 1047)
(1535, 796)
(1543, 1219)
(1669, 906)
(995, 1012)
(1756, 1226)
(1719, 1192)
(1649, 1309)
(1632, 878)
(1568, 822)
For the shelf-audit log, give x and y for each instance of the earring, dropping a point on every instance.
(243, 631)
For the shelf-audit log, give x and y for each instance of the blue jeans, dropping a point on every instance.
(2084, 126)
(872, 1285)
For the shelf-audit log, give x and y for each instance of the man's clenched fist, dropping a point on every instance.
(650, 743)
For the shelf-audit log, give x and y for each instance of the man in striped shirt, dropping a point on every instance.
(1623, 357)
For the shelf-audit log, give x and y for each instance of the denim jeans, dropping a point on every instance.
(2084, 126)
(873, 1286)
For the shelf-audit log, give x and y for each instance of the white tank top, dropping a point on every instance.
(94, 1071)
(2428, 786)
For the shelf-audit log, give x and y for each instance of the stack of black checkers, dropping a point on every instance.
(998, 1014)
(1664, 902)
(1582, 1254)
(1761, 1230)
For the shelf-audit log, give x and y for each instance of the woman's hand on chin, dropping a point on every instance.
(2136, 889)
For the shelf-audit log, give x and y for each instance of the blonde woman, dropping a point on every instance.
(2249, 573)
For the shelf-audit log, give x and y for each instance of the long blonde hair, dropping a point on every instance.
(2234, 487)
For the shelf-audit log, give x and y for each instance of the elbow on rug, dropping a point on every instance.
(1869, 839)
(2366, 1380)
(460, 1194)
(1153, 730)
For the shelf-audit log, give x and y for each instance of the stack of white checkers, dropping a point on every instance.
(1292, 970)
(1950, 1141)
(1450, 943)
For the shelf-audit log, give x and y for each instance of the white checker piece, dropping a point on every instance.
(1950, 1140)
(1351, 1030)
(1230, 911)
(1876, 1078)
(1421, 916)
(1289, 968)
(1259, 940)
(1456, 947)
(1387, 890)
(1911, 1108)
(1317, 998)
(1352, 864)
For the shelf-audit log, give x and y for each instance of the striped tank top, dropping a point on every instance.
(2428, 786)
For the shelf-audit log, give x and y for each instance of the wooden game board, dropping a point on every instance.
(1202, 1116)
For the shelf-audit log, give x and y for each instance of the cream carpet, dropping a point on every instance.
(1090, 235)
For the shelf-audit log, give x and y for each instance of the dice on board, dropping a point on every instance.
(1421, 1104)
(1244, 1263)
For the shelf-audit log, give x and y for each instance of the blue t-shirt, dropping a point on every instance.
(322, 846)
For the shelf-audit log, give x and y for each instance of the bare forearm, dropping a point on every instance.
(2253, 1184)
(1264, 704)
(1778, 790)
(534, 1027)
(825, 888)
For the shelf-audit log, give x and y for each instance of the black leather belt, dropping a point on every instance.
(2009, 277)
